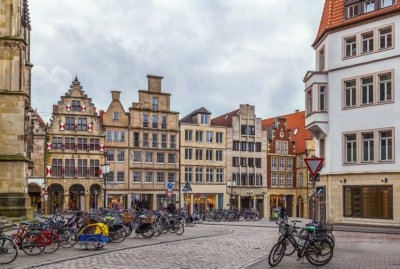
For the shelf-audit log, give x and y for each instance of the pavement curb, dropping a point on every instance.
(113, 250)
(255, 262)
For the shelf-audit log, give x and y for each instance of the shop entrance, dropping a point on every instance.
(76, 198)
(95, 194)
(34, 192)
(56, 192)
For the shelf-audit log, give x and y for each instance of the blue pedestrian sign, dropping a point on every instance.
(169, 185)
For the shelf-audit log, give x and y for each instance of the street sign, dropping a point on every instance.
(169, 185)
(187, 187)
(169, 193)
(314, 164)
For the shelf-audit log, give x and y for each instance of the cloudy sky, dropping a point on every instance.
(211, 53)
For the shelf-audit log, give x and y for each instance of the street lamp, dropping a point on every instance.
(95, 198)
(105, 169)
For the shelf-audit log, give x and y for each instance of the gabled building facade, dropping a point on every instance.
(154, 134)
(115, 123)
(351, 99)
(74, 153)
(246, 155)
(203, 162)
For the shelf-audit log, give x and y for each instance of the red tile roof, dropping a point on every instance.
(225, 119)
(333, 16)
(294, 121)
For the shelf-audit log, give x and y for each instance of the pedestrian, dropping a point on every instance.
(282, 213)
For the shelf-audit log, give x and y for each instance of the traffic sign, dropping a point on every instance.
(169, 193)
(169, 185)
(187, 187)
(314, 164)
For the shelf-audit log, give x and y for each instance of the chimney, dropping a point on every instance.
(154, 83)
(115, 95)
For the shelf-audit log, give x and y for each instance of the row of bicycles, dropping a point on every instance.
(218, 215)
(88, 230)
(315, 242)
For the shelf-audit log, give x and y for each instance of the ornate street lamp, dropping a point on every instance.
(105, 169)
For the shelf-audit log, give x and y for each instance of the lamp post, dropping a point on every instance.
(106, 169)
(95, 198)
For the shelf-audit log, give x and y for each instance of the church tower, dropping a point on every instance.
(15, 106)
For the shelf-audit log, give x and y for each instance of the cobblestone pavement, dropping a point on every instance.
(238, 247)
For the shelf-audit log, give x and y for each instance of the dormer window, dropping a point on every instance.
(386, 3)
(76, 105)
(369, 5)
(352, 11)
(204, 119)
(155, 103)
(116, 116)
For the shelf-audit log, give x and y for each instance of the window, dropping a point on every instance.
(149, 157)
(149, 177)
(385, 38)
(273, 182)
(351, 148)
(289, 179)
(199, 174)
(110, 156)
(309, 101)
(285, 147)
(76, 105)
(137, 177)
(116, 116)
(172, 143)
(281, 179)
(386, 145)
(368, 202)
(369, 5)
(155, 103)
(250, 162)
(145, 140)
(258, 146)
(155, 121)
(171, 177)
(368, 147)
(137, 156)
(352, 11)
(273, 163)
(160, 177)
(57, 143)
(367, 90)
(243, 162)
(321, 59)
(82, 143)
(188, 154)
(136, 139)
(258, 162)
(281, 163)
(218, 155)
(243, 179)
(235, 145)
(160, 157)
(120, 176)
(385, 87)
(243, 146)
(82, 124)
(219, 138)
(110, 176)
(108, 136)
(171, 158)
(351, 46)
(322, 95)
(163, 141)
(367, 42)
(235, 161)
(69, 168)
(115, 136)
(322, 148)
(94, 144)
(199, 136)
(250, 146)
(209, 175)
(188, 135)
(82, 168)
(219, 175)
(155, 140)
(70, 123)
(386, 3)
(289, 164)
(209, 136)
(350, 93)
(145, 120)
(121, 156)
(199, 154)
(301, 180)
(209, 154)
(94, 168)
(278, 147)
(164, 122)
(122, 136)
(188, 174)
(70, 143)
(204, 119)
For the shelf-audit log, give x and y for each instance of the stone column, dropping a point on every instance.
(267, 209)
(87, 206)
(239, 202)
(154, 201)
(254, 202)
(191, 203)
(65, 200)
(129, 201)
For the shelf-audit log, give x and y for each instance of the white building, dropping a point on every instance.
(352, 108)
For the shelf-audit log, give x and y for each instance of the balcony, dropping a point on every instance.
(315, 77)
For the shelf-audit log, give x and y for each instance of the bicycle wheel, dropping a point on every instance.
(319, 252)
(33, 243)
(92, 243)
(8, 251)
(276, 254)
(53, 243)
(178, 228)
(148, 232)
(289, 248)
(117, 235)
(68, 238)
